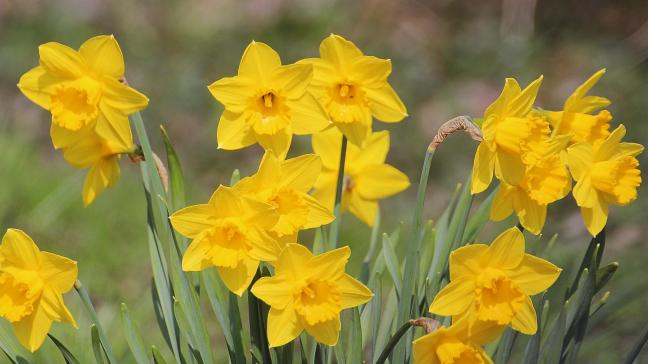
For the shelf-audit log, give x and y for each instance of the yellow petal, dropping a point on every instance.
(363, 209)
(484, 332)
(37, 84)
(353, 292)
(226, 202)
(483, 166)
(610, 145)
(579, 158)
(509, 91)
(233, 132)
(259, 61)
(264, 246)
(578, 102)
(277, 292)
(103, 56)
(19, 250)
(385, 104)
(465, 261)
(32, 330)
(300, 173)
(293, 79)
(113, 126)
(532, 215)
(380, 181)
(54, 307)
(509, 167)
(283, 326)
(238, 279)
(455, 298)
(326, 145)
(628, 149)
(326, 332)
(507, 250)
(121, 97)
(61, 60)
(534, 275)
(58, 272)
(372, 72)
(100, 176)
(523, 102)
(595, 217)
(261, 214)
(196, 256)
(192, 220)
(293, 261)
(525, 320)
(502, 206)
(339, 51)
(374, 151)
(278, 144)
(585, 194)
(330, 264)
(424, 348)
(356, 132)
(318, 215)
(307, 115)
(233, 92)
(325, 189)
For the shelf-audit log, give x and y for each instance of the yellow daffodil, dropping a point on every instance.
(83, 87)
(459, 343)
(228, 233)
(266, 103)
(352, 87)
(510, 133)
(367, 178)
(308, 292)
(576, 120)
(32, 284)
(494, 283)
(285, 185)
(546, 180)
(605, 173)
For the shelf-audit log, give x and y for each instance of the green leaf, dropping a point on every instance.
(96, 326)
(387, 322)
(369, 258)
(97, 349)
(354, 349)
(65, 352)
(552, 348)
(176, 179)
(157, 356)
(637, 346)
(392, 263)
(10, 345)
(133, 337)
(235, 177)
(479, 219)
(505, 346)
(604, 274)
(532, 350)
(258, 313)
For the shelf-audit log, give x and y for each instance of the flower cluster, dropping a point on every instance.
(535, 154)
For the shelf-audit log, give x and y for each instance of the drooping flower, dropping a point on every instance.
(285, 185)
(85, 87)
(32, 284)
(308, 292)
(460, 343)
(353, 87)
(229, 233)
(606, 173)
(576, 118)
(545, 180)
(510, 132)
(367, 178)
(266, 103)
(494, 283)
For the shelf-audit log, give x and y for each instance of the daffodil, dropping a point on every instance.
(546, 180)
(266, 103)
(576, 118)
(229, 233)
(510, 132)
(85, 87)
(606, 173)
(285, 185)
(459, 343)
(494, 283)
(353, 87)
(367, 178)
(308, 292)
(32, 284)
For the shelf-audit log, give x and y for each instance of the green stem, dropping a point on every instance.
(339, 190)
(392, 342)
(87, 303)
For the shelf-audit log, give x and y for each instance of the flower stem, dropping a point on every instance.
(339, 190)
(392, 342)
(87, 303)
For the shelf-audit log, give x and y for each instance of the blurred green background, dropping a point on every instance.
(449, 58)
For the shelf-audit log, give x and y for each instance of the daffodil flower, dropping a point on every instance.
(285, 185)
(229, 233)
(576, 119)
(510, 133)
(460, 343)
(32, 284)
(84, 87)
(367, 178)
(605, 173)
(308, 292)
(494, 283)
(266, 103)
(353, 87)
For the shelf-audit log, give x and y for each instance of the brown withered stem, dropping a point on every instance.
(428, 324)
(460, 123)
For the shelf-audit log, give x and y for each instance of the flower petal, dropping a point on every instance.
(239, 278)
(283, 326)
(424, 348)
(293, 261)
(371, 72)
(192, 220)
(233, 132)
(523, 102)
(318, 215)
(277, 292)
(363, 209)
(532, 215)
(356, 132)
(103, 56)
(32, 330)
(113, 126)
(293, 79)
(233, 92)
(379, 181)
(258, 62)
(300, 173)
(196, 256)
(385, 104)
(579, 157)
(307, 115)
(326, 332)
(525, 320)
(578, 102)
(509, 91)
(61, 60)
(502, 206)
(374, 150)
(330, 264)
(340, 52)
(465, 261)
(534, 275)
(121, 97)
(37, 85)
(455, 298)
(353, 292)
(326, 145)
(585, 194)
(19, 250)
(54, 306)
(610, 145)
(483, 166)
(58, 272)
(277, 143)
(509, 167)
(595, 217)
(507, 250)
(103, 174)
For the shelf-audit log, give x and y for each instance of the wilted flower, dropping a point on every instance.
(308, 292)
(367, 178)
(32, 284)
(352, 87)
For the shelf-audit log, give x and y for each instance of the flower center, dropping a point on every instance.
(618, 178)
(16, 297)
(453, 351)
(272, 113)
(498, 298)
(546, 180)
(228, 243)
(318, 301)
(292, 211)
(74, 103)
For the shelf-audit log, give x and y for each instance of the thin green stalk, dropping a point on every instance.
(87, 303)
(339, 189)
(392, 343)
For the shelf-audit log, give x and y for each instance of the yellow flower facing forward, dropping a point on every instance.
(576, 119)
(546, 180)
(32, 284)
(83, 87)
(228, 233)
(494, 283)
(308, 292)
(605, 173)
(509, 133)
(285, 185)
(367, 178)
(352, 87)
(266, 103)
(459, 343)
